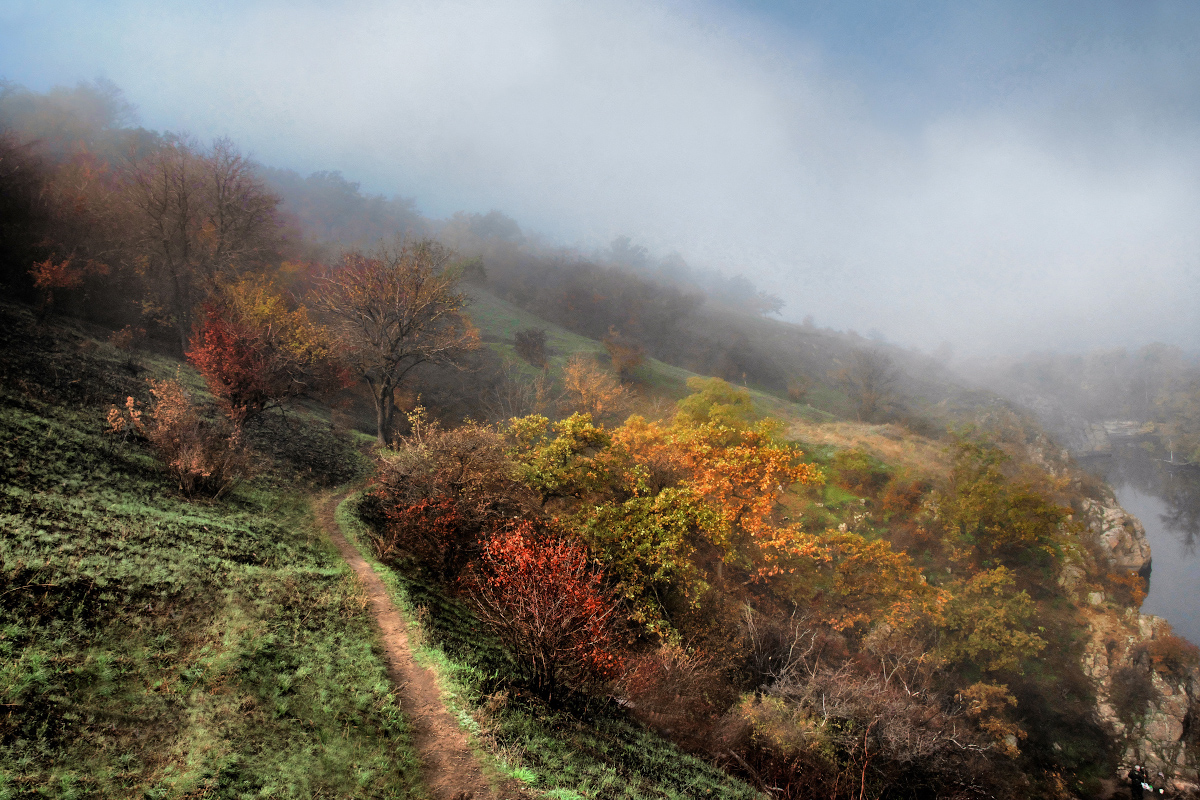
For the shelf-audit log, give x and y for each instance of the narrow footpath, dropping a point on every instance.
(448, 767)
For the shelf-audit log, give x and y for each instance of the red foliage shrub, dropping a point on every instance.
(440, 492)
(235, 364)
(127, 338)
(546, 602)
(902, 496)
(256, 356)
(433, 531)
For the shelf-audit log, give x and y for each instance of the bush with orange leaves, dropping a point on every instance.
(1171, 656)
(590, 389)
(545, 599)
(204, 458)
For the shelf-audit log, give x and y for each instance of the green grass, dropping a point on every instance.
(589, 750)
(155, 647)
(499, 320)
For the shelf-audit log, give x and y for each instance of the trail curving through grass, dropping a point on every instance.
(448, 767)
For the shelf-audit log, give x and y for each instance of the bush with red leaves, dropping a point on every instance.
(546, 601)
(432, 531)
(255, 354)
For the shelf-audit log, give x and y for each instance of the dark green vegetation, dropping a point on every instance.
(583, 749)
(154, 647)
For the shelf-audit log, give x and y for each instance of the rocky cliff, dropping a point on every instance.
(1146, 679)
(1147, 690)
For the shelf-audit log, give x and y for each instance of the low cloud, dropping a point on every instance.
(1056, 210)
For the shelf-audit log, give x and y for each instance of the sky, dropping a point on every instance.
(1003, 176)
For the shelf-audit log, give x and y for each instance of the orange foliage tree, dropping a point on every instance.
(589, 389)
(737, 473)
(53, 275)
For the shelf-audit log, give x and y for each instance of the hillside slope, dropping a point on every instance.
(155, 647)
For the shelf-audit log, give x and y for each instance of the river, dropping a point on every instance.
(1167, 501)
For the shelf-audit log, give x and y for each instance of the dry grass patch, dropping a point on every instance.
(894, 445)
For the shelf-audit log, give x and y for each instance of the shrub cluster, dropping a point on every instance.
(204, 457)
(650, 561)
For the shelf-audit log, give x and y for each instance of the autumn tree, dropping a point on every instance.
(626, 353)
(394, 310)
(986, 623)
(84, 230)
(199, 218)
(556, 459)
(648, 543)
(1005, 521)
(798, 388)
(255, 352)
(590, 389)
(54, 275)
(717, 402)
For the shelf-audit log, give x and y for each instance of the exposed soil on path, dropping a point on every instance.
(448, 767)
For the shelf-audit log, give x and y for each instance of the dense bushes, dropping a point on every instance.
(440, 492)
(545, 599)
(822, 661)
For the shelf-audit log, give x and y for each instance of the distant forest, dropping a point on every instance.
(89, 197)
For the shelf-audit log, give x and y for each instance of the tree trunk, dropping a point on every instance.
(385, 410)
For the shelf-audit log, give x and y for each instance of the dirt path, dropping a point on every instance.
(448, 767)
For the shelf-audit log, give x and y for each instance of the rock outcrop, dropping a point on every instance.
(1119, 535)
(1148, 702)
(1146, 681)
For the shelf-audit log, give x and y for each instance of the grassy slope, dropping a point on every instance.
(153, 647)
(498, 320)
(588, 752)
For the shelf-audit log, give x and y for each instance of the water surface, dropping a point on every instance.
(1167, 501)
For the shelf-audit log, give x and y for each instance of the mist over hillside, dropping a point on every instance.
(709, 395)
(999, 175)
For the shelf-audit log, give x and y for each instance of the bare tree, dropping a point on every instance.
(515, 394)
(198, 217)
(870, 380)
(396, 309)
